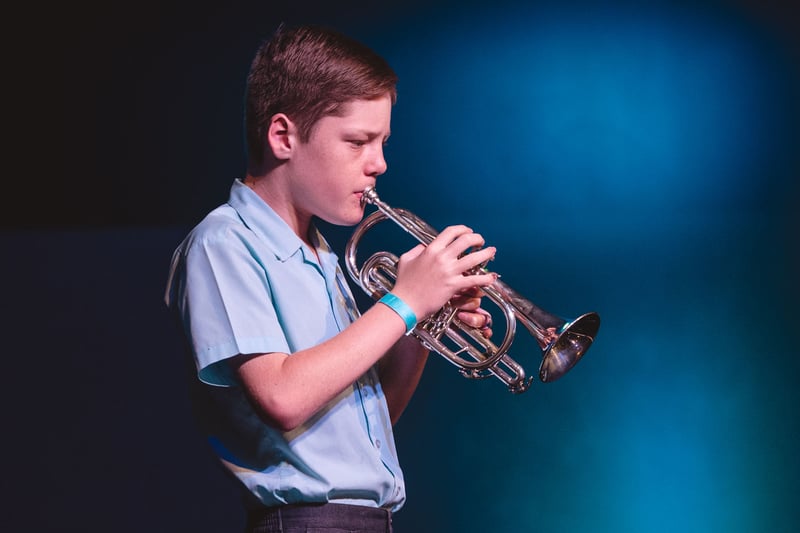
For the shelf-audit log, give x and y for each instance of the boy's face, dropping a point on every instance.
(342, 157)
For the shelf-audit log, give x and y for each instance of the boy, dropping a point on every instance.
(297, 392)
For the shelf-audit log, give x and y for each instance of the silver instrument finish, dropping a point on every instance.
(562, 342)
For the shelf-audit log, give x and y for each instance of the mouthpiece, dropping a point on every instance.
(369, 196)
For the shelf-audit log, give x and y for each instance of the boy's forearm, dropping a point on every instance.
(400, 371)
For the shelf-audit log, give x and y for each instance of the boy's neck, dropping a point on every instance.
(269, 190)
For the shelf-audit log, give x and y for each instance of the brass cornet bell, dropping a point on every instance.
(562, 342)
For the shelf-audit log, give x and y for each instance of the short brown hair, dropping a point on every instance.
(309, 72)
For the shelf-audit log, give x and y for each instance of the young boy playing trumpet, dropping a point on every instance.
(295, 389)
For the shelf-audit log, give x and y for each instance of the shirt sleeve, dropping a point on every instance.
(223, 297)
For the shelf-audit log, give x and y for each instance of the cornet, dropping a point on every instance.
(563, 343)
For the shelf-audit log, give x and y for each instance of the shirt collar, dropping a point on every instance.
(259, 217)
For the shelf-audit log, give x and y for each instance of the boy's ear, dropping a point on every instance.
(281, 136)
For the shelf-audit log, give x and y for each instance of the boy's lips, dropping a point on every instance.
(360, 195)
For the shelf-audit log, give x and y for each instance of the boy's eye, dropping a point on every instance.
(357, 143)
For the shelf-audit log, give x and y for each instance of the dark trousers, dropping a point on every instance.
(327, 518)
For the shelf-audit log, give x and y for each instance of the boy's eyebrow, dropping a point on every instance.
(369, 134)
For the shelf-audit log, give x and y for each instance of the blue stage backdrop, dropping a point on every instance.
(635, 160)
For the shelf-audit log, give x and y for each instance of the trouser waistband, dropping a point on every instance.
(354, 517)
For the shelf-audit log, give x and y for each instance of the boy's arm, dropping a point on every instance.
(288, 390)
(400, 371)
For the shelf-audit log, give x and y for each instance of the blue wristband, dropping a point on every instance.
(401, 308)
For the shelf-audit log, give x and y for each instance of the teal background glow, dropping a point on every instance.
(638, 159)
(637, 162)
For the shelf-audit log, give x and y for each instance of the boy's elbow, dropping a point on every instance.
(275, 403)
(281, 412)
(284, 419)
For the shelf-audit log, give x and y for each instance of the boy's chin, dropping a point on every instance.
(350, 220)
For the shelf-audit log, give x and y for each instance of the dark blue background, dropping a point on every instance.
(637, 159)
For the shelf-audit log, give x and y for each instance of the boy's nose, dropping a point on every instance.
(377, 164)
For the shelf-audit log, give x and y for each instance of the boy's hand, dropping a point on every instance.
(430, 276)
(468, 303)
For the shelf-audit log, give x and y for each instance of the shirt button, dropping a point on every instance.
(377, 443)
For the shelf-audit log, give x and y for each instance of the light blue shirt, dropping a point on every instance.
(242, 282)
